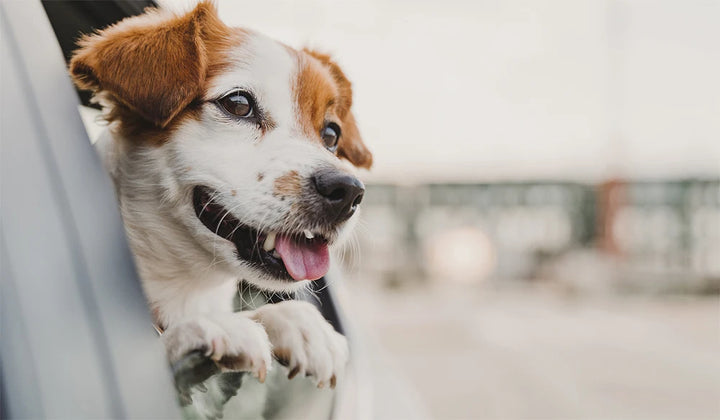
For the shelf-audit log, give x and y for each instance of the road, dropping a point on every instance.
(472, 353)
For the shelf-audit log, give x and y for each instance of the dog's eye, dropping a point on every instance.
(238, 103)
(330, 135)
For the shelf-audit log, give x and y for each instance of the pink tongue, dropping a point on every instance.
(304, 261)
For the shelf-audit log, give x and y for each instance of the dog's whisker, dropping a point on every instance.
(241, 293)
(309, 290)
(212, 199)
(355, 250)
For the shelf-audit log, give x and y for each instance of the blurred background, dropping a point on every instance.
(541, 232)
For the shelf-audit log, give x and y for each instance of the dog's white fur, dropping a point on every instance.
(189, 274)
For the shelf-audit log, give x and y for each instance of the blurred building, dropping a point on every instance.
(651, 236)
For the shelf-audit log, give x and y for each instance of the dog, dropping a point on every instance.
(233, 157)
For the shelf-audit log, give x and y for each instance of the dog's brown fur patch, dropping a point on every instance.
(289, 184)
(325, 94)
(317, 96)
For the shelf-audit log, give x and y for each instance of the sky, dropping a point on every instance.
(518, 89)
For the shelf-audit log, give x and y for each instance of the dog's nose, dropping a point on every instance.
(341, 193)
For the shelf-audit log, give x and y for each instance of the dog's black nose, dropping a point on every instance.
(341, 193)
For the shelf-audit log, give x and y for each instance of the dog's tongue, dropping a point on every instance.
(304, 260)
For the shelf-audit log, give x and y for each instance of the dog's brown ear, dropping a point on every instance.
(154, 64)
(350, 145)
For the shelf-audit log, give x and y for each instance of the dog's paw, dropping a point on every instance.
(304, 341)
(233, 341)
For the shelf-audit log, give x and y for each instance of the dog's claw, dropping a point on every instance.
(262, 374)
(185, 399)
(294, 372)
(218, 349)
(333, 382)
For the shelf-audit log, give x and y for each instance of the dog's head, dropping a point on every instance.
(251, 138)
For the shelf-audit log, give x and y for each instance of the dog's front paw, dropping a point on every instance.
(233, 341)
(304, 341)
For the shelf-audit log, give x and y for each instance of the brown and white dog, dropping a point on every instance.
(230, 155)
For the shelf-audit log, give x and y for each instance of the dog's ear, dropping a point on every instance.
(155, 64)
(350, 145)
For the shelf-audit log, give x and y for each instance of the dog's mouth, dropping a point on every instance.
(283, 255)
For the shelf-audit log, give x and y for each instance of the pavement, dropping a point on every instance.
(486, 353)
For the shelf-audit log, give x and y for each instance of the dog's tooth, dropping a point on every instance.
(275, 253)
(269, 244)
(308, 234)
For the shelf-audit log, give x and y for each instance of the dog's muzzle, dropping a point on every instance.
(299, 249)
